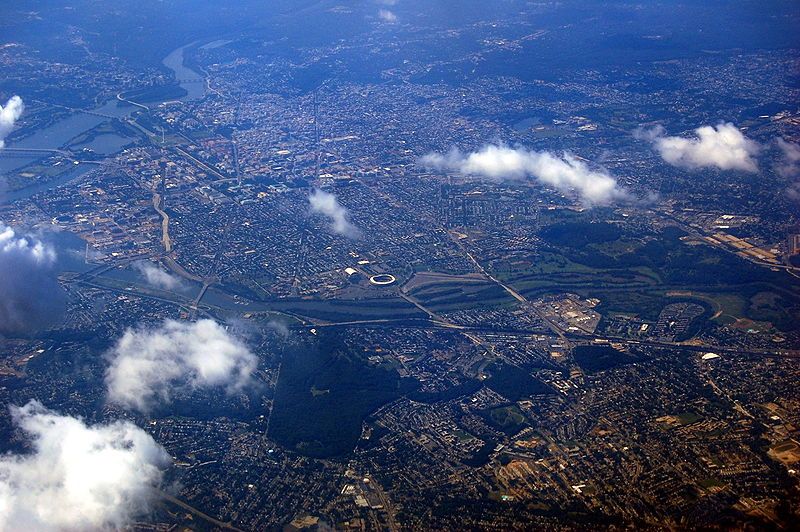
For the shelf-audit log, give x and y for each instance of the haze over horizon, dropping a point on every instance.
(399, 265)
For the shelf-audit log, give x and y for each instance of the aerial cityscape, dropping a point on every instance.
(399, 265)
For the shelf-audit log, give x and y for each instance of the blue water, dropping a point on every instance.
(63, 131)
(106, 144)
(174, 62)
(66, 177)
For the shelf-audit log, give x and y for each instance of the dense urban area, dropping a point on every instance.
(400, 265)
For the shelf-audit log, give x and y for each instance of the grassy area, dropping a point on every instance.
(514, 383)
(771, 307)
(443, 293)
(342, 310)
(156, 94)
(508, 419)
(638, 275)
(552, 272)
(709, 483)
(545, 264)
(729, 307)
(644, 305)
(753, 308)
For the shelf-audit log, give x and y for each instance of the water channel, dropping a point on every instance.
(62, 131)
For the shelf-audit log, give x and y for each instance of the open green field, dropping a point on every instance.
(339, 310)
(316, 310)
(114, 128)
(638, 274)
(754, 306)
(443, 293)
(156, 94)
(515, 383)
(508, 419)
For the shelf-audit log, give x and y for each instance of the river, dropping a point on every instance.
(62, 179)
(191, 81)
(59, 133)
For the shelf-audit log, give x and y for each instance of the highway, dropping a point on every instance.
(516, 295)
(588, 338)
(198, 513)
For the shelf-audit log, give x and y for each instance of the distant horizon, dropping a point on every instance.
(399, 265)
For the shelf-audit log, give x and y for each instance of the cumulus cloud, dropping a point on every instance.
(8, 116)
(789, 165)
(279, 328)
(30, 296)
(147, 365)
(722, 146)
(565, 172)
(387, 16)
(36, 250)
(77, 477)
(650, 134)
(326, 203)
(155, 276)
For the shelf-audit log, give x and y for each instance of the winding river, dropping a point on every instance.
(62, 131)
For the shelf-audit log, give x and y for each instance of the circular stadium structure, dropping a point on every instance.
(382, 279)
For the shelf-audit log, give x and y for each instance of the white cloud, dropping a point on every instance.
(789, 166)
(148, 365)
(650, 134)
(565, 172)
(155, 276)
(722, 146)
(30, 295)
(35, 250)
(327, 204)
(8, 116)
(387, 16)
(77, 477)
